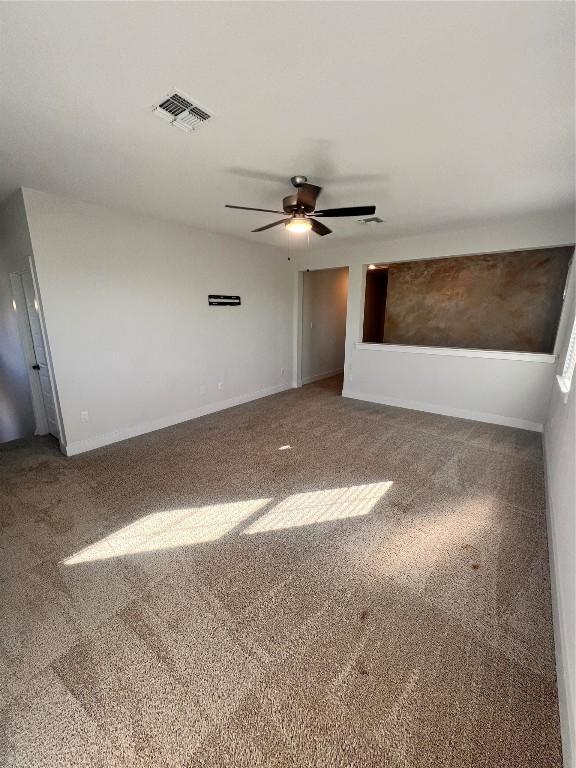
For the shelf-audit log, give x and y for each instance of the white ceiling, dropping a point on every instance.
(440, 113)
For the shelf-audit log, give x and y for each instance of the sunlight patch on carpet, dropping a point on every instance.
(170, 529)
(321, 506)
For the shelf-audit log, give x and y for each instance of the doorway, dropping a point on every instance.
(29, 326)
(323, 341)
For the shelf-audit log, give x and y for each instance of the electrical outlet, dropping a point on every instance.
(282, 371)
(84, 416)
(220, 385)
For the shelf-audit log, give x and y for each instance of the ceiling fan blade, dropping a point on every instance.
(247, 173)
(268, 226)
(244, 208)
(319, 228)
(307, 195)
(362, 210)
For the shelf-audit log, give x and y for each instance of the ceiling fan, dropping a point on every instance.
(301, 208)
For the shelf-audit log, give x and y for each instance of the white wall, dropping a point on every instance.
(560, 456)
(16, 412)
(509, 391)
(324, 301)
(132, 338)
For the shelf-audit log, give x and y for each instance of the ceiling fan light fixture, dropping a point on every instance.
(298, 225)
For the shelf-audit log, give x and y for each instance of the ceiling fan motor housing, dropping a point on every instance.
(290, 204)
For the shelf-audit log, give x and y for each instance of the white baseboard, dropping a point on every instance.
(564, 697)
(99, 441)
(320, 376)
(413, 405)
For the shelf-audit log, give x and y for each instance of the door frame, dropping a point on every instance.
(299, 315)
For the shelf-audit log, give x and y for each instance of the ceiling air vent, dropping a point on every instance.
(181, 112)
(371, 220)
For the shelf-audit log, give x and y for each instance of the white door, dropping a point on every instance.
(41, 364)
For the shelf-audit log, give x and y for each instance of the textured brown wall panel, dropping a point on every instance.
(504, 301)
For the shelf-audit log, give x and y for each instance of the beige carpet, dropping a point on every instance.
(301, 581)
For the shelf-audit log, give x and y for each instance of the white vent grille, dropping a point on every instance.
(181, 112)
